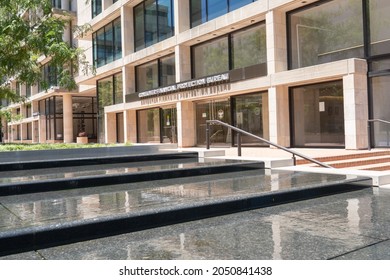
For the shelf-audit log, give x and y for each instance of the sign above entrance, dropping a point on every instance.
(207, 81)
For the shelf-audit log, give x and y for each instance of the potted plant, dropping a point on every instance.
(82, 138)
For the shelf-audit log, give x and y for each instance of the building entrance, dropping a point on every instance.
(213, 110)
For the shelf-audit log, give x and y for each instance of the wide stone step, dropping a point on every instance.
(12, 183)
(55, 161)
(33, 221)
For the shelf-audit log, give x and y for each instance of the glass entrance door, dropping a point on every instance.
(250, 113)
(168, 124)
(213, 110)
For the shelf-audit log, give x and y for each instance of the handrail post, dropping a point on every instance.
(294, 160)
(239, 143)
(368, 135)
(207, 135)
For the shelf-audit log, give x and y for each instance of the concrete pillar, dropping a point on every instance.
(110, 123)
(127, 29)
(182, 15)
(355, 111)
(279, 119)
(131, 126)
(68, 118)
(186, 136)
(183, 63)
(276, 42)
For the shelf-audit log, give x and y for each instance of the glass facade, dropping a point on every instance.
(52, 109)
(205, 10)
(107, 43)
(325, 32)
(153, 22)
(158, 73)
(237, 50)
(318, 115)
(109, 92)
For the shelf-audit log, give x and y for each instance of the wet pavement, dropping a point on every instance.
(353, 225)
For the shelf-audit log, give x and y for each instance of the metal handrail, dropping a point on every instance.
(240, 131)
(369, 131)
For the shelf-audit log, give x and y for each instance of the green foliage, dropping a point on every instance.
(28, 30)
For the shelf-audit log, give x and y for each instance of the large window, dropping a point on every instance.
(96, 7)
(49, 76)
(379, 23)
(110, 91)
(318, 115)
(158, 73)
(205, 10)
(107, 43)
(240, 49)
(153, 22)
(326, 32)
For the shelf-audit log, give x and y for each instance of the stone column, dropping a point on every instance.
(355, 111)
(183, 63)
(186, 124)
(182, 15)
(127, 30)
(279, 119)
(130, 122)
(68, 118)
(276, 42)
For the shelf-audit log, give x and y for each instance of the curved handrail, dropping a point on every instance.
(294, 153)
(369, 130)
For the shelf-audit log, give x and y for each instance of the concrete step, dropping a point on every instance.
(34, 221)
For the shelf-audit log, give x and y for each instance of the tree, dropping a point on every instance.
(28, 30)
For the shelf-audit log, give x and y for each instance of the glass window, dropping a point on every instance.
(165, 19)
(151, 35)
(139, 27)
(118, 89)
(211, 57)
(205, 10)
(100, 48)
(198, 12)
(117, 39)
(379, 31)
(96, 7)
(381, 101)
(167, 71)
(235, 4)
(325, 33)
(153, 22)
(107, 43)
(147, 76)
(216, 8)
(249, 47)
(318, 115)
(156, 74)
